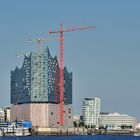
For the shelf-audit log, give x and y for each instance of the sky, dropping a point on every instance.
(105, 61)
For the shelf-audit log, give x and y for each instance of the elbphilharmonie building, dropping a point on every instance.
(35, 91)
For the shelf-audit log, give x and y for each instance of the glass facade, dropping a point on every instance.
(35, 81)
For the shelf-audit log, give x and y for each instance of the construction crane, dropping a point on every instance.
(56, 83)
(39, 40)
(61, 38)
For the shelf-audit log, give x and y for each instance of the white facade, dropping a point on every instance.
(91, 111)
(2, 115)
(116, 120)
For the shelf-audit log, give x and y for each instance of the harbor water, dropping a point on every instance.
(83, 137)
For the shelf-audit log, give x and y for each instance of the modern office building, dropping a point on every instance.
(35, 87)
(91, 111)
(117, 121)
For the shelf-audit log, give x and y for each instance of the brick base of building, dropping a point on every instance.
(44, 115)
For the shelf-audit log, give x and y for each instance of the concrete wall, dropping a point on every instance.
(42, 115)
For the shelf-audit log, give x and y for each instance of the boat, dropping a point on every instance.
(19, 131)
(136, 134)
(22, 132)
(21, 128)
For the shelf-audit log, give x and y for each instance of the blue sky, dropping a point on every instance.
(105, 62)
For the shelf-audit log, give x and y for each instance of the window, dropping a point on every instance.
(69, 110)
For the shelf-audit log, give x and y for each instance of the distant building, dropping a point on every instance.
(35, 91)
(2, 115)
(7, 114)
(76, 120)
(117, 121)
(91, 111)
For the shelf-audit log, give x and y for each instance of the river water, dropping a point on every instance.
(84, 137)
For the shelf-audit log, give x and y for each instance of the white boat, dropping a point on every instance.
(136, 134)
(22, 132)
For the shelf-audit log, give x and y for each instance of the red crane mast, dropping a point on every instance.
(61, 32)
(56, 83)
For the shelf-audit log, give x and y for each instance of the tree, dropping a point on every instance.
(74, 124)
(81, 124)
